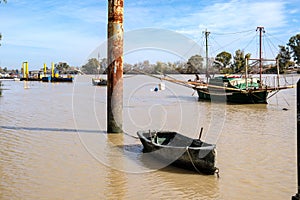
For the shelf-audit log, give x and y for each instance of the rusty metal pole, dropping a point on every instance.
(297, 196)
(115, 34)
(206, 53)
(261, 30)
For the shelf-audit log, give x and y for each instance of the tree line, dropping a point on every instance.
(224, 62)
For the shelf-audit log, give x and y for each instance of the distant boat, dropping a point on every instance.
(46, 79)
(99, 81)
(30, 79)
(1, 88)
(57, 79)
(179, 150)
(61, 79)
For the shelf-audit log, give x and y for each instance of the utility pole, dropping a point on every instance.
(297, 196)
(206, 53)
(261, 31)
(115, 33)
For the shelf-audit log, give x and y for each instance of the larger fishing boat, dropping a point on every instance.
(237, 89)
(234, 89)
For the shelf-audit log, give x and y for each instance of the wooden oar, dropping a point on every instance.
(200, 133)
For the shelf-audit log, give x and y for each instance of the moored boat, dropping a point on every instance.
(181, 151)
(238, 89)
(61, 79)
(30, 79)
(46, 79)
(99, 81)
(234, 89)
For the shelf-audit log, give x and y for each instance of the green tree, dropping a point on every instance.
(127, 68)
(160, 67)
(223, 59)
(239, 60)
(180, 67)
(91, 67)
(62, 67)
(103, 66)
(194, 64)
(283, 57)
(294, 44)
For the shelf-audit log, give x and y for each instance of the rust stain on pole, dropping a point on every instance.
(115, 33)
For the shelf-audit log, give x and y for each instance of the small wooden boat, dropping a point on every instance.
(99, 82)
(179, 150)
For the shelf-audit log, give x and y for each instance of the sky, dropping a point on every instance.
(71, 31)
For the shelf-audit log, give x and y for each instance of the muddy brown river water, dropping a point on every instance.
(53, 143)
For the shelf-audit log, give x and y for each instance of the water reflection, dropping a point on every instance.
(68, 130)
(116, 181)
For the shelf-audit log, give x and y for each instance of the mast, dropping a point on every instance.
(246, 74)
(261, 31)
(260, 59)
(206, 52)
(277, 65)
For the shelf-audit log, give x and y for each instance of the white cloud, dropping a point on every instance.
(234, 15)
(75, 28)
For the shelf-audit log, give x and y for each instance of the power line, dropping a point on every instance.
(236, 40)
(275, 38)
(269, 42)
(253, 38)
(233, 33)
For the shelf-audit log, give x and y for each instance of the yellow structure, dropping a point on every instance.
(25, 70)
(45, 70)
(52, 69)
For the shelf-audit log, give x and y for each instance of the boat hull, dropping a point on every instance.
(30, 79)
(180, 151)
(99, 82)
(61, 79)
(239, 97)
(46, 79)
(233, 89)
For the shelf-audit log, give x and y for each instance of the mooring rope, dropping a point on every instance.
(135, 137)
(188, 152)
(190, 157)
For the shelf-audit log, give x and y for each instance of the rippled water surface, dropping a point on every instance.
(53, 143)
